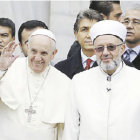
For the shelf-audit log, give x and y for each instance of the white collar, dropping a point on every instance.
(84, 57)
(136, 49)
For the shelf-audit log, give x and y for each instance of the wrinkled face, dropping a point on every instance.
(109, 58)
(40, 53)
(82, 36)
(132, 22)
(5, 36)
(116, 13)
(24, 37)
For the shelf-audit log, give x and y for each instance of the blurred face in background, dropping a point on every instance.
(82, 36)
(116, 13)
(24, 39)
(131, 20)
(5, 36)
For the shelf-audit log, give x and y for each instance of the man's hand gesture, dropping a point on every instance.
(7, 57)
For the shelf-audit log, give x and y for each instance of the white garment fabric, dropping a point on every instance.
(49, 105)
(84, 59)
(100, 109)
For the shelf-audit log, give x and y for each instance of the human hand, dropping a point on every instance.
(7, 57)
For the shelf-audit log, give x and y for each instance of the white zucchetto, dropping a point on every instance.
(108, 27)
(44, 32)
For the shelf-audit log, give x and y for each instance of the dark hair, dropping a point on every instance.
(105, 7)
(8, 23)
(29, 25)
(89, 14)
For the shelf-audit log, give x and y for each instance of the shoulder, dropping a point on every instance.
(19, 60)
(18, 63)
(57, 74)
(87, 75)
(132, 70)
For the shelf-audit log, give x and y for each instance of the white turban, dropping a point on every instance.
(44, 32)
(108, 27)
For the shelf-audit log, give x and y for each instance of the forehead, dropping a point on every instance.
(5, 29)
(40, 42)
(116, 7)
(132, 14)
(28, 32)
(86, 22)
(106, 39)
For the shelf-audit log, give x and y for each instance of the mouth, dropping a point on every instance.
(38, 63)
(106, 59)
(130, 33)
(89, 42)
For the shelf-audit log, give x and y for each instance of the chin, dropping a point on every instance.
(89, 47)
(37, 70)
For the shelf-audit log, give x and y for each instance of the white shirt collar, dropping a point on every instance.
(84, 57)
(136, 49)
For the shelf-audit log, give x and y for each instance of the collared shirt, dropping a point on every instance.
(84, 59)
(134, 54)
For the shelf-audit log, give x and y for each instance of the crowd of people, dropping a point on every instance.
(92, 95)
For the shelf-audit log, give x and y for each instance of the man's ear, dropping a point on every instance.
(122, 48)
(54, 53)
(75, 33)
(20, 46)
(103, 16)
(13, 38)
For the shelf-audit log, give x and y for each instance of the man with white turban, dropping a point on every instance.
(33, 93)
(105, 101)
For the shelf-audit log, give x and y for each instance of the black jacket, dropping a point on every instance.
(73, 49)
(72, 65)
(135, 63)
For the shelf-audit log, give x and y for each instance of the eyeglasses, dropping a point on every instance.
(135, 22)
(100, 49)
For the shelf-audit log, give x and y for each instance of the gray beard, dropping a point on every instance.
(110, 66)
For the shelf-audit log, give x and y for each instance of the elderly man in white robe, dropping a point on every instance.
(33, 93)
(105, 101)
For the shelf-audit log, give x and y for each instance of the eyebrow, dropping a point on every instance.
(26, 41)
(130, 19)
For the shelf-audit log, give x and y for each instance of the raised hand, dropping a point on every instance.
(7, 57)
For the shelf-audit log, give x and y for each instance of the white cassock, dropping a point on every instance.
(100, 109)
(47, 122)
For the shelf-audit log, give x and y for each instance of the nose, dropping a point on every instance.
(37, 58)
(130, 25)
(105, 51)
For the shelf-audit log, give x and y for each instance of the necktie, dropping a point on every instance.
(128, 52)
(88, 64)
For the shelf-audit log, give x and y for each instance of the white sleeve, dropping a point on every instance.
(72, 118)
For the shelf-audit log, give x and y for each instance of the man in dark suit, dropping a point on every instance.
(131, 19)
(84, 57)
(108, 9)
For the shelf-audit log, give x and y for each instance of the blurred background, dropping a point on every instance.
(59, 16)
